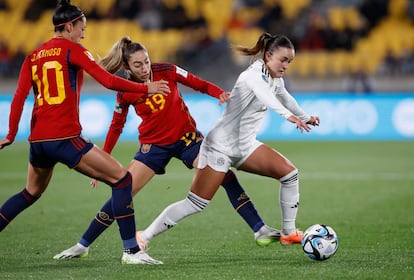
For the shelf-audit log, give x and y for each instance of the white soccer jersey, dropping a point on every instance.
(254, 92)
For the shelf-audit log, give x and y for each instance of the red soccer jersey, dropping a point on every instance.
(165, 118)
(55, 71)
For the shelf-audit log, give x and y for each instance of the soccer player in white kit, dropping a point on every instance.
(232, 142)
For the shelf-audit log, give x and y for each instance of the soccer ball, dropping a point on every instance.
(319, 242)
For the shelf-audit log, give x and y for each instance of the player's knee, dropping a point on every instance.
(290, 179)
(197, 203)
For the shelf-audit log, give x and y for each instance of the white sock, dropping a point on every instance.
(173, 213)
(289, 201)
(82, 246)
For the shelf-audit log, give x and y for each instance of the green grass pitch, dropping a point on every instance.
(364, 190)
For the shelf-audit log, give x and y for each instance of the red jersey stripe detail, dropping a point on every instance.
(157, 67)
(78, 143)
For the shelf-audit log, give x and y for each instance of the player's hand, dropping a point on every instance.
(158, 87)
(314, 120)
(302, 126)
(224, 97)
(4, 142)
(94, 183)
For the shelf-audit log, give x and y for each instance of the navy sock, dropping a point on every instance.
(14, 205)
(103, 219)
(123, 209)
(132, 250)
(241, 201)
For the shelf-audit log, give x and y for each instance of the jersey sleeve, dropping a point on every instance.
(84, 59)
(117, 124)
(291, 104)
(264, 93)
(23, 88)
(190, 80)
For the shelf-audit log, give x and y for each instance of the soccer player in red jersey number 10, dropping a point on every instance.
(55, 72)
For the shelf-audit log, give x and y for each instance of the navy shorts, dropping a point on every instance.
(157, 157)
(69, 151)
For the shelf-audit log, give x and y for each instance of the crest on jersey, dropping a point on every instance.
(88, 54)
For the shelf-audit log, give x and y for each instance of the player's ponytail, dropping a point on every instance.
(119, 54)
(266, 42)
(113, 61)
(65, 13)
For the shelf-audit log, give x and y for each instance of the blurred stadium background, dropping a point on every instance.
(339, 43)
(342, 45)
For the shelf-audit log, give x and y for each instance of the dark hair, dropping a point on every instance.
(266, 42)
(65, 13)
(119, 54)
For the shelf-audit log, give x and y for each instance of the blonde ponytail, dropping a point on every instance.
(114, 60)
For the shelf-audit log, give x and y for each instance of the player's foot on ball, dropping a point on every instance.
(139, 258)
(76, 251)
(266, 235)
(290, 239)
(142, 243)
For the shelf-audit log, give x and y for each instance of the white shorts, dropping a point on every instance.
(220, 161)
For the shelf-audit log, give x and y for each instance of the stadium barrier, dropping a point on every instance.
(344, 117)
